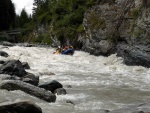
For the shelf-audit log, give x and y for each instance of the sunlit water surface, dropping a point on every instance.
(92, 83)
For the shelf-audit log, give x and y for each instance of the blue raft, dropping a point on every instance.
(68, 52)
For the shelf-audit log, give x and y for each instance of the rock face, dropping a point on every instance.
(109, 24)
(30, 89)
(19, 107)
(100, 22)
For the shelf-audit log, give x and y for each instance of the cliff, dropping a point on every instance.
(119, 26)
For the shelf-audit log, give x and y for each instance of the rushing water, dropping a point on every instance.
(95, 82)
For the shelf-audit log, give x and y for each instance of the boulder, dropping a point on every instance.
(134, 55)
(25, 65)
(29, 45)
(2, 62)
(60, 91)
(31, 79)
(28, 88)
(51, 86)
(9, 77)
(69, 101)
(13, 67)
(19, 107)
(4, 54)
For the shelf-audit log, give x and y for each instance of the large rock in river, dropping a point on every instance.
(4, 54)
(134, 55)
(19, 107)
(31, 79)
(51, 86)
(13, 67)
(28, 88)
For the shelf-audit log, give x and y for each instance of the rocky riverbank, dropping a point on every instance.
(122, 27)
(15, 77)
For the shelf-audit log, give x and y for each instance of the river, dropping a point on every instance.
(92, 82)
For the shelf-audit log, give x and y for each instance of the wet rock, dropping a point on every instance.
(11, 85)
(29, 45)
(69, 101)
(69, 86)
(134, 55)
(98, 111)
(4, 43)
(103, 111)
(9, 77)
(60, 91)
(19, 107)
(4, 54)
(25, 65)
(13, 67)
(51, 86)
(2, 62)
(31, 79)
(26, 45)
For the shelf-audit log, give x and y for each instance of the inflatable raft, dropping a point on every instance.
(68, 52)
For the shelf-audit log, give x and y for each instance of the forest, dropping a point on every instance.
(59, 18)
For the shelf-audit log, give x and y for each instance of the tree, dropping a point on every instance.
(7, 15)
(60, 18)
(24, 19)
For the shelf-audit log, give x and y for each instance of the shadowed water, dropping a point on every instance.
(92, 82)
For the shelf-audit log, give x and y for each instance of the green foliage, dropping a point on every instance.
(24, 22)
(134, 13)
(113, 36)
(132, 25)
(38, 39)
(46, 39)
(24, 19)
(138, 32)
(42, 38)
(2, 39)
(65, 16)
(96, 22)
(80, 29)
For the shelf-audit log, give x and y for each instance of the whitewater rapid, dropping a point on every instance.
(92, 82)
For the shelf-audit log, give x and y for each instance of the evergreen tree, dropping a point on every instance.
(17, 21)
(61, 18)
(24, 19)
(12, 14)
(7, 14)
